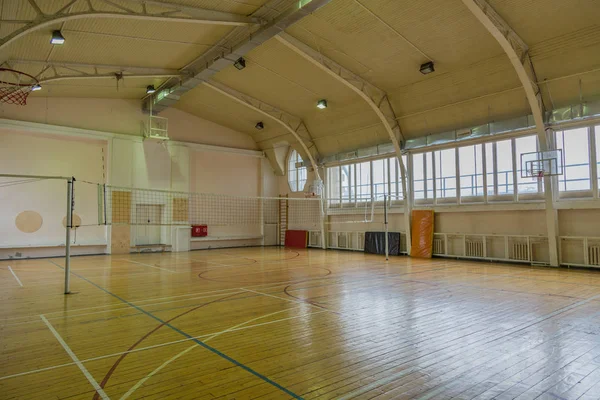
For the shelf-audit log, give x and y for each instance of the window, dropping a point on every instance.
(504, 167)
(363, 181)
(470, 164)
(418, 176)
(576, 153)
(296, 175)
(333, 185)
(380, 178)
(490, 169)
(445, 172)
(348, 176)
(527, 144)
(597, 137)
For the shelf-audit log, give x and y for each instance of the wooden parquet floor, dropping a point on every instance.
(273, 323)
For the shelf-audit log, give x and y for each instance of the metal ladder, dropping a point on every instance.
(283, 218)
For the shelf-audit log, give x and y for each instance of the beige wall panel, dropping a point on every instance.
(492, 222)
(186, 127)
(120, 239)
(222, 173)
(579, 222)
(121, 207)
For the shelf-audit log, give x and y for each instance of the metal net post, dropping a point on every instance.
(70, 201)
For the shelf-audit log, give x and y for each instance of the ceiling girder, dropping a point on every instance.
(291, 123)
(228, 50)
(58, 71)
(170, 12)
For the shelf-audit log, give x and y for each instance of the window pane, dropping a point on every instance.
(301, 178)
(348, 183)
(363, 181)
(489, 168)
(471, 170)
(445, 166)
(418, 176)
(395, 185)
(333, 184)
(597, 130)
(296, 176)
(429, 171)
(576, 152)
(504, 166)
(380, 179)
(526, 144)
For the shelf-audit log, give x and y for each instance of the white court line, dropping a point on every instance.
(151, 266)
(15, 275)
(83, 369)
(184, 352)
(291, 300)
(155, 346)
(224, 291)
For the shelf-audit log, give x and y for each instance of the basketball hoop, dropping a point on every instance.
(540, 176)
(15, 86)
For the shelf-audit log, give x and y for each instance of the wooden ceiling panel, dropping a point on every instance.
(482, 79)
(209, 104)
(396, 37)
(539, 20)
(468, 114)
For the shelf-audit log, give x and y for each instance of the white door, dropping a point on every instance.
(148, 220)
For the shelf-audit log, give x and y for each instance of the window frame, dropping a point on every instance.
(296, 172)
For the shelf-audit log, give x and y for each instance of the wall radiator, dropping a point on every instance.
(474, 248)
(314, 239)
(438, 246)
(594, 255)
(520, 251)
(342, 241)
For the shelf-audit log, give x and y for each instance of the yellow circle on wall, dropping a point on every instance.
(75, 221)
(29, 221)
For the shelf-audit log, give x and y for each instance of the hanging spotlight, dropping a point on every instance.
(427, 68)
(240, 63)
(322, 104)
(150, 89)
(36, 87)
(57, 38)
(260, 126)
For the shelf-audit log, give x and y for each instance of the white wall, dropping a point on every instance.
(92, 152)
(35, 154)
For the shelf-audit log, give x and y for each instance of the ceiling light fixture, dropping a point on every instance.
(150, 89)
(240, 63)
(57, 38)
(427, 68)
(36, 87)
(322, 104)
(260, 126)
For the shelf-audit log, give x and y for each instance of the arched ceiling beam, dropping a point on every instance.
(162, 12)
(228, 50)
(55, 71)
(518, 54)
(376, 98)
(291, 123)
